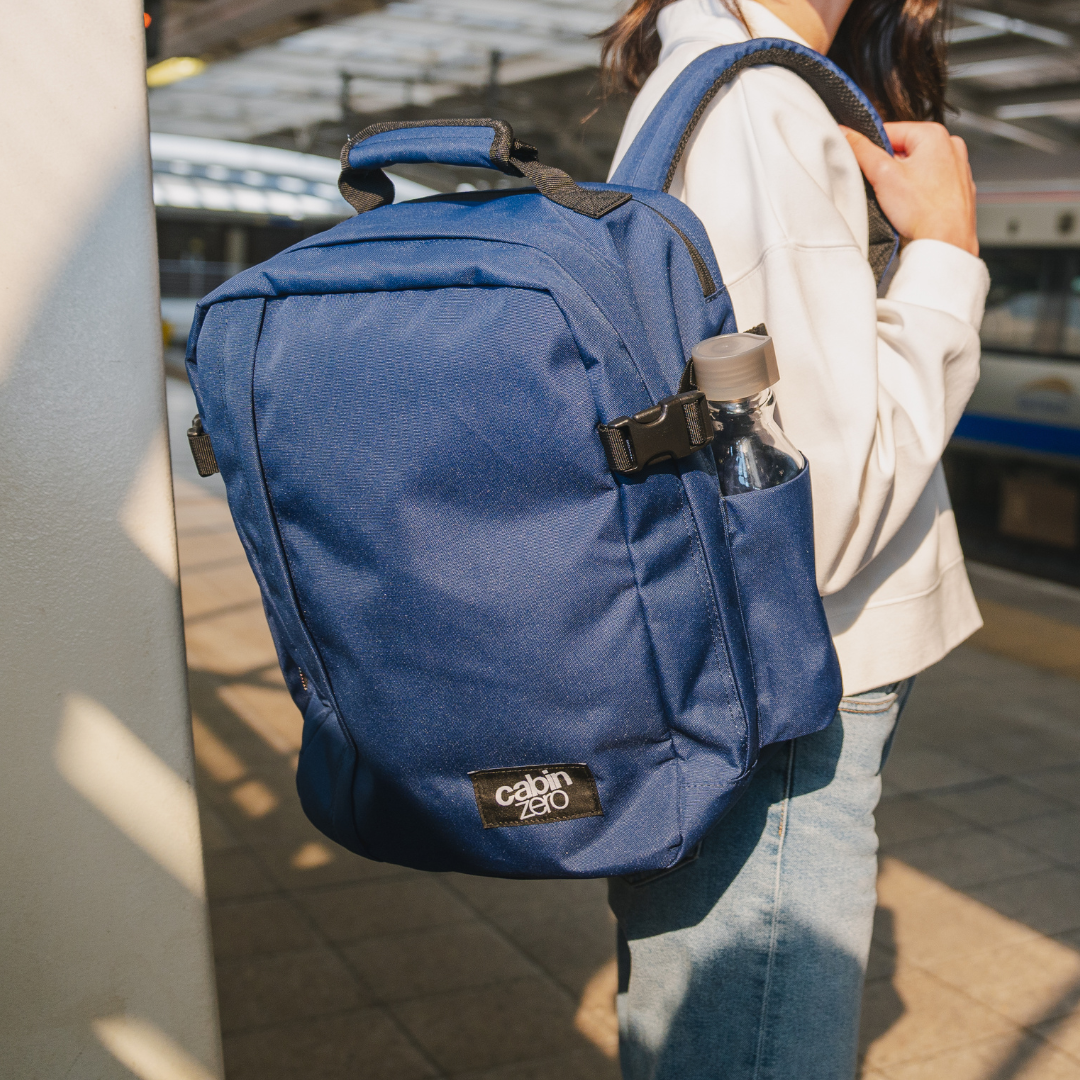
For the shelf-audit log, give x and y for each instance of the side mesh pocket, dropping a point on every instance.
(796, 673)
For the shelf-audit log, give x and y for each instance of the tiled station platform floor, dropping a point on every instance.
(330, 967)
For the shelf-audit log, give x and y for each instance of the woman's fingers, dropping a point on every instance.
(909, 137)
(899, 135)
(871, 158)
(926, 190)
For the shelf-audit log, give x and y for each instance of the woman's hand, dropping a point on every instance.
(926, 191)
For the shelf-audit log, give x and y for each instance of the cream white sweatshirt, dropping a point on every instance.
(870, 389)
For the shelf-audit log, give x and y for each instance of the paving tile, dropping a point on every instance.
(361, 1045)
(292, 1009)
(1063, 1033)
(316, 862)
(973, 857)
(917, 1015)
(202, 548)
(922, 769)
(1012, 746)
(257, 991)
(269, 711)
(233, 873)
(390, 906)
(230, 644)
(1015, 1057)
(887, 790)
(495, 1025)
(1056, 837)
(1029, 638)
(597, 1016)
(1047, 598)
(214, 756)
(265, 925)
(570, 944)
(1030, 982)
(584, 1065)
(998, 803)
(923, 919)
(198, 512)
(912, 817)
(881, 1009)
(216, 835)
(401, 966)
(284, 822)
(1063, 783)
(882, 962)
(228, 730)
(500, 896)
(1048, 902)
(218, 589)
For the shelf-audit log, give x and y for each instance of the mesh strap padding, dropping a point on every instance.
(845, 107)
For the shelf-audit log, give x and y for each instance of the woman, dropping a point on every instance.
(748, 960)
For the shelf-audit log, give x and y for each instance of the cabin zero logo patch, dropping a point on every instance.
(535, 794)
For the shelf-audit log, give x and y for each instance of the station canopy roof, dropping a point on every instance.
(410, 52)
(1014, 77)
(1014, 73)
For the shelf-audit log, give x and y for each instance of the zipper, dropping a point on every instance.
(708, 286)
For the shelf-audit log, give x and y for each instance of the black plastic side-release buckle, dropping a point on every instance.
(202, 449)
(675, 428)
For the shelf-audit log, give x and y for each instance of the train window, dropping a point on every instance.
(198, 253)
(1034, 301)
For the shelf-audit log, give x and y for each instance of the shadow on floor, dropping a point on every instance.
(330, 966)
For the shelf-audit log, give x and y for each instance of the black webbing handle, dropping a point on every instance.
(368, 187)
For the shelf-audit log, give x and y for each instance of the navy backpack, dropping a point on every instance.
(466, 458)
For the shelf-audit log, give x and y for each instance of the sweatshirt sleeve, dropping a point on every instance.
(870, 388)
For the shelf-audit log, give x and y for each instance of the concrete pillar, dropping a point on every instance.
(105, 962)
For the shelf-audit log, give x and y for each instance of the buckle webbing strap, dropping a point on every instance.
(202, 450)
(675, 428)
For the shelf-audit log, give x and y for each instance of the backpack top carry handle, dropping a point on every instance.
(654, 156)
(486, 144)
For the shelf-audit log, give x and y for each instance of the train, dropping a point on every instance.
(1013, 465)
(224, 206)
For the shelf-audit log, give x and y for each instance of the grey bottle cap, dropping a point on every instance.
(734, 366)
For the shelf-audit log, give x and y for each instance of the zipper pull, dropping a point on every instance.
(202, 450)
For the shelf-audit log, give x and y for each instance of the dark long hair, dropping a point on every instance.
(893, 49)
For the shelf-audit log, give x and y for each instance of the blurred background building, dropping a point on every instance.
(251, 100)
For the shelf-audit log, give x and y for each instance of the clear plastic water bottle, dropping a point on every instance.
(736, 372)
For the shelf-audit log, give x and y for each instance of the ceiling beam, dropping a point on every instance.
(991, 23)
(221, 26)
(973, 121)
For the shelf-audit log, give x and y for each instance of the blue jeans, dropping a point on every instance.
(746, 962)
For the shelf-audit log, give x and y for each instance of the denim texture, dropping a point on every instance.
(404, 410)
(747, 961)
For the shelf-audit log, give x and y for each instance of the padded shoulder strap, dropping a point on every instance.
(654, 155)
